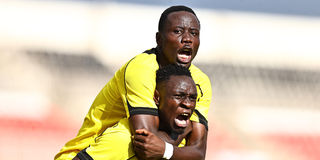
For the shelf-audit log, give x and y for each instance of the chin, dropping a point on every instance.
(179, 130)
(184, 64)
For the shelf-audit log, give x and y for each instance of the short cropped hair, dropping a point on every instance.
(171, 9)
(164, 73)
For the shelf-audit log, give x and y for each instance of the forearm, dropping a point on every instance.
(188, 152)
(195, 147)
(151, 123)
(196, 144)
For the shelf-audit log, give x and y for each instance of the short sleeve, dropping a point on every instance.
(204, 98)
(140, 85)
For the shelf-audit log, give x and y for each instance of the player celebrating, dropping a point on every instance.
(175, 97)
(129, 94)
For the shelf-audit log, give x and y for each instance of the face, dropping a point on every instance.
(179, 40)
(177, 101)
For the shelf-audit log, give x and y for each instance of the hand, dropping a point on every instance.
(147, 145)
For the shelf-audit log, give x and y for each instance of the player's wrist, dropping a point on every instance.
(168, 152)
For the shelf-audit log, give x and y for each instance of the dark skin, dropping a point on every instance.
(177, 102)
(179, 37)
(177, 99)
(178, 43)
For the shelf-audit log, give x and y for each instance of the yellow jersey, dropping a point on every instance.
(130, 92)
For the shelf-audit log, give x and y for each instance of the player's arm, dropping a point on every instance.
(151, 145)
(196, 144)
(151, 123)
(148, 142)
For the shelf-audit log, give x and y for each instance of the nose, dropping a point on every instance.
(186, 38)
(188, 103)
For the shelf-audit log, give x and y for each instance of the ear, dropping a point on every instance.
(158, 38)
(156, 97)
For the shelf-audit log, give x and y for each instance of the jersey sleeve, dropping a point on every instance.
(203, 100)
(140, 84)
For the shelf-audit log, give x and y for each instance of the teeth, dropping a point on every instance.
(181, 123)
(186, 51)
(185, 114)
(184, 58)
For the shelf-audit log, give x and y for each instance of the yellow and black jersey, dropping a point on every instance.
(131, 92)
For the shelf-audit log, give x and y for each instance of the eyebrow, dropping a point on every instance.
(184, 93)
(193, 28)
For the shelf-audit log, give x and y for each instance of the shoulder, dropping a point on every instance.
(198, 74)
(142, 66)
(147, 58)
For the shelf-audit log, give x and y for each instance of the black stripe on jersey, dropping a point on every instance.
(202, 119)
(83, 155)
(131, 157)
(142, 110)
(150, 51)
(198, 85)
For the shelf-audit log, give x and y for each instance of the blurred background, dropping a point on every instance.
(263, 59)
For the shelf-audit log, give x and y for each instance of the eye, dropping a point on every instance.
(177, 31)
(194, 33)
(178, 96)
(193, 98)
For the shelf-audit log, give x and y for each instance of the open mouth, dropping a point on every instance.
(185, 55)
(182, 120)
